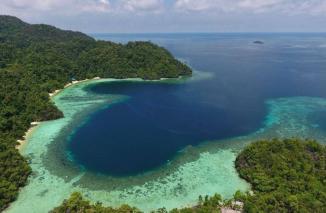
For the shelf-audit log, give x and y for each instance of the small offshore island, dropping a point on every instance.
(38, 61)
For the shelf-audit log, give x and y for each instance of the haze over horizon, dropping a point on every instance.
(137, 16)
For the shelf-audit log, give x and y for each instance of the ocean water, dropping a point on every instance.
(163, 143)
(161, 119)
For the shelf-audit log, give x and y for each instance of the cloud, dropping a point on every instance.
(312, 7)
(204, 5)
(143, 5)
(71, 7)
(259, 4)
(75, 7)
(172, 15)
(222, 5)
(54, 6)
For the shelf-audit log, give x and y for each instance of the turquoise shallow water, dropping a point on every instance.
(273, 90)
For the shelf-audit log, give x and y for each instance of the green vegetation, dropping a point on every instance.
(38, 59)
(76, 204)
(14, 172)
(286, 176)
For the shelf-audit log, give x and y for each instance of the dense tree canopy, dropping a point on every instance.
(286, 176)
(77, 204)
(38, 59)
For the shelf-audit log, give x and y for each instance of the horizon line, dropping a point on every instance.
(190, 32)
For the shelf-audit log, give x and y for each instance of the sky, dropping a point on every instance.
(145, 16)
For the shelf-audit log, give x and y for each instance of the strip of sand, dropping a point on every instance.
(33, 125)
(28, 133)
(70, 84)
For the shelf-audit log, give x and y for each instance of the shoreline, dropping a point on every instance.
(70, 84)
(22, 142)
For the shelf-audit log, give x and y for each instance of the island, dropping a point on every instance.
(258, 42)
(38, 59)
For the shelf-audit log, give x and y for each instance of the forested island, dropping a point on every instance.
(37, 59)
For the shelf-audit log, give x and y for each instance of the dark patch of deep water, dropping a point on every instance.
(161, 119)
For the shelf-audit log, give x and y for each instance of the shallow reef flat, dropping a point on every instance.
(200, 170)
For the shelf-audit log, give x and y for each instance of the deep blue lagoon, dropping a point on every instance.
(159, 119)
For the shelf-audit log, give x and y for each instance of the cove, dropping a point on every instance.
(204, 169)
(156, 122)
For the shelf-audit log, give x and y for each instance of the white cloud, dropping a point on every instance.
(313, 7)
(74, 7)
(202, 5)
(54, 6)
(99, 6)
(143, 5)
(132, 7)
(70, 7)
(172, 15)
(259, 4)
(284, 6)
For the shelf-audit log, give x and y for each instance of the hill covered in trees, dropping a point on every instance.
(38, 59)
(286, 176)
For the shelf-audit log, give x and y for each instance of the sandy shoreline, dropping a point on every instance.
(27, 134)
(33, 125)
(70, 84)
